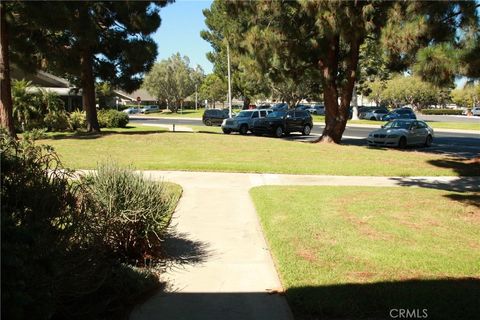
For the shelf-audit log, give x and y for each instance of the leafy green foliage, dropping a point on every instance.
(411, 90)
(442, 111)
(467, 96)
(38, 221)
(133, 214)
(24, 101)
(172, 80)
(213, 89)
(55, 261)
(56, 121)
(77, 120)
(112, 119)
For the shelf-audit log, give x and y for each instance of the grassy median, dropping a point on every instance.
(351, 252)
(152, 150)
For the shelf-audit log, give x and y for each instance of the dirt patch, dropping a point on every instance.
(365, 229)
(307, 254)
(361, 276)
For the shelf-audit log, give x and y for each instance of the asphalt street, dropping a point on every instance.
(450, 143)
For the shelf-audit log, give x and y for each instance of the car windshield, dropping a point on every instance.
(245, 114)
(398, 125)
(276, 114)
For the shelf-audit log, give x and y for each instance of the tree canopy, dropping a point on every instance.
(87, 40)
(291, 39)
(173, 80)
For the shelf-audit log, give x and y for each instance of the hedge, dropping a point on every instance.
(442, 111)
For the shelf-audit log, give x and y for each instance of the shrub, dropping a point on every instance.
(442, 111)
(35, 134)
(134, 214)
(112, 119)
(37, 208)
(56, 121)
(54, 262)
(78, 120)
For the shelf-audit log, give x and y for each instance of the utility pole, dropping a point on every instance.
(354, 104)
(196, 101)
(229, 83)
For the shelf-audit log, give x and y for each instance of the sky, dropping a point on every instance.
(180, 29)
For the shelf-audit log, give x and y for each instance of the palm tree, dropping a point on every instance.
(23, 102)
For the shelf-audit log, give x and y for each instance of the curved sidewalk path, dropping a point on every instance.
(224, 268)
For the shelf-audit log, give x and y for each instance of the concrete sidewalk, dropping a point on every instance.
(233, 273)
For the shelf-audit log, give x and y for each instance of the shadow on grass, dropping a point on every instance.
(467, 183)
(88, 136)
(440, 299)
(443, 299)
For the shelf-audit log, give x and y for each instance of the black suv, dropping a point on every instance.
(214, 117)
(284, 122)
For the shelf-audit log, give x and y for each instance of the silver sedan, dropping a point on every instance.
(401, 133)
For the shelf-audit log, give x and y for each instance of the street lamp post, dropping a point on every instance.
(196, 101)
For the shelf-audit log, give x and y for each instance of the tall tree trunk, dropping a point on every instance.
(88, 94)
(6, 105)
(336, 115)
(334, 121)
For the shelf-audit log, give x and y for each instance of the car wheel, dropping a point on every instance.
(402, 143)
(306, 130)
(243, 129)
(278, 132)
(227, 131)
(373, 118)
(428, 141)
(208, 122)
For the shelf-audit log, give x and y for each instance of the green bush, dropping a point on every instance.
(35, 134)
(78, 120)
(54, 261)
(112, 119)
(442, 111)
(134, 212)
(37, 206)
(56, 121)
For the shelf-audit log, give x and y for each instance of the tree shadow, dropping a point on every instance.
(90, 136)
(179, 250)
(466, 186)
(436, 299)
(443, 299)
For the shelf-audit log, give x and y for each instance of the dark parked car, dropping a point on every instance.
(284, 122)
(302, 107)
(401, 113)
(279, 107)
(214, 117)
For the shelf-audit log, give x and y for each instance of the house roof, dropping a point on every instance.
(143, 94)
(40, 78)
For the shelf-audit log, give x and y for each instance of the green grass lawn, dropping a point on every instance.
(236, 153)
(356, 252)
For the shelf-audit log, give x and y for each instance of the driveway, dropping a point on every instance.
(222, 267)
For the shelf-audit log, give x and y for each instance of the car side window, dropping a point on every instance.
(421, 125)
(255, 114)
(263, 113)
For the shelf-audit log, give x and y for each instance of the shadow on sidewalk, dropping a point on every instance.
(440, 299)
(180, 250)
